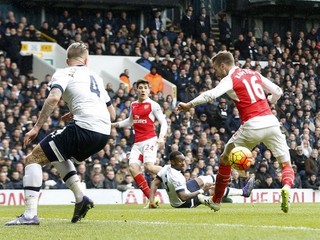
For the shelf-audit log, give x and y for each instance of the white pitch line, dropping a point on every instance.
(197, 224)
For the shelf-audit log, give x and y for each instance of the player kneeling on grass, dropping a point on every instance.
(187, 194)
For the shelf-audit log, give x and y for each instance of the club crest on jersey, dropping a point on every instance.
(146, 106)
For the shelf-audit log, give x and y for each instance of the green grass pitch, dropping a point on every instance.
(132, 222)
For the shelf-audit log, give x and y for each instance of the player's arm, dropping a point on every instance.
(48, 107)
(224, 86)
(153, 189)
(111, 111)
(163, 123)
(110, 107)
(186, 196)
(274, 90)
(124, 123)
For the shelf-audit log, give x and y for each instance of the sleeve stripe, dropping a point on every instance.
(57, 86)
(109, 103)
(159, 178)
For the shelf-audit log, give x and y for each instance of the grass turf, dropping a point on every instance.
(233, 221)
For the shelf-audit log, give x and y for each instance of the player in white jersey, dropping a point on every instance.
(248, 90)
(184, 194)
(90, 107)
(144, 112)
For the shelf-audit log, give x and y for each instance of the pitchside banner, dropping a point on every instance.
(135, 196)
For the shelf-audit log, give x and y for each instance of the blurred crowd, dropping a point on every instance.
(181, 54)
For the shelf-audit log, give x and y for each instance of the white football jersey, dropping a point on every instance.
(173, 181)
(86, 97)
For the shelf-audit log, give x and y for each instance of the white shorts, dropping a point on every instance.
(272, 137)
(142, 152)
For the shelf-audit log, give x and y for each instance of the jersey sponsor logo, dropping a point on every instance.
(139, 121)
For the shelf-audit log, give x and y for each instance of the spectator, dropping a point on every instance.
(45, 28)
(207, 21)
(37, 37)
(128, 183)
(111, 21)
(82, 171)
(242, 46)
(171, 34)
(13, 46)
(125, 78)
(110, 181)
(156, 22)
(155, 80)
(236, 181)
(144, 60)
(297, 183)
(233, 121)
(95, 182)
(122, 172)
(123, 20)
(262, 174)
(187, 23)
(298, 158)
(189, 93)
(225, 31)
(47, 183)
(201, 27)
(312, 163)
(268, 183)
(274, 169)
(312, 182)
(5, 182)
(174, 75)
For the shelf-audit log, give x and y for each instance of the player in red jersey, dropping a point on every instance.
(248, 90)
(144, 112)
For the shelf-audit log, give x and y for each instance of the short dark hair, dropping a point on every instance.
(142, 81)
(173, 155)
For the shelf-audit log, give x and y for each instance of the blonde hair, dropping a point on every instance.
(223, 57)
(77, 50)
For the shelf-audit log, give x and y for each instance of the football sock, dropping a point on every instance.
(233, 192)
(142, 184)
(222, 182)
(32, 182)
(69, 175)
(287, 176)
(206, 179)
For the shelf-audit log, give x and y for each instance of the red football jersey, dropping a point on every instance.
(143, 120)
(251, 99)
(248, 89)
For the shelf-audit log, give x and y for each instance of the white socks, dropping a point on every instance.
(73, 182)
(206, 179)
(233, 192)
(32, 179)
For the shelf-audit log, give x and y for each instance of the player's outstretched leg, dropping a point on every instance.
(81, 209)
(247, 189)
